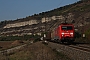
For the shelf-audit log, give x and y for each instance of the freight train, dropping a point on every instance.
(63, 33)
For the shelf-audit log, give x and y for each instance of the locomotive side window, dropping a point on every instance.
(67, 27)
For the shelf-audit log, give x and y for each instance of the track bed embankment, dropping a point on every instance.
(73, 53)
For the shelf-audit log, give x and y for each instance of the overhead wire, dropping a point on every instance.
(53, 25)
(60, 3)
(55, 22)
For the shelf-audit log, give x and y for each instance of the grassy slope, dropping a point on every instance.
(37, 51)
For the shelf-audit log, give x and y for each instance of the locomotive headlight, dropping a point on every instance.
(71, 33)
(62, 33)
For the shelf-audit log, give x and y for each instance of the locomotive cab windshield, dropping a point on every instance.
(67, 28)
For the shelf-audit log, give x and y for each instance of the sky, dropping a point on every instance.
(15, 9)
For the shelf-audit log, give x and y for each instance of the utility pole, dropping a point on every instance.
(45, 28)
(65, 21)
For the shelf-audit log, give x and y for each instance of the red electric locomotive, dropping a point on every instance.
(63, 33)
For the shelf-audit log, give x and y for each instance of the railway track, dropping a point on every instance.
(81, 47)
(75, 52)
(13, 49)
